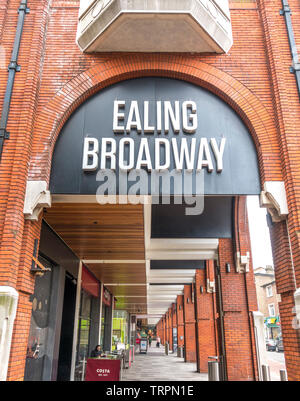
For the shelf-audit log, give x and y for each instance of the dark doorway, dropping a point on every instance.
(38, 355)
(67, 328)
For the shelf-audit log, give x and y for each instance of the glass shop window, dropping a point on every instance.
(84, 325)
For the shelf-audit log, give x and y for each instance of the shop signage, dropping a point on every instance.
(103, 370)
(148, 129)
(89, 283)
(196, 155)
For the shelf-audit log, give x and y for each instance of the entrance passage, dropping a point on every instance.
(156, 366)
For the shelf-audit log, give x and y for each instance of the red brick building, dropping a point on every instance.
(255, 75)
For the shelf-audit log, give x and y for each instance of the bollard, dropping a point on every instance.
(283, 376)
(180, 352)
(213, 371)
(265, 373)
(167, 348)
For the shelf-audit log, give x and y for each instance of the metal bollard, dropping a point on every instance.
(283, 376)
(266, 373)
(213, 371)
(166, 348)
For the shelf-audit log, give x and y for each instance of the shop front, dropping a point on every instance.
(88, 321)
(272, 327)
(106, 320)
(120, 336)
(50, 343)
(65, 320)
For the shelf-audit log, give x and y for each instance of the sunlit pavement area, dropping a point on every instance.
(156, 366)
(276, 362)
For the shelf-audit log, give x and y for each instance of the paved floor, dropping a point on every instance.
(276, 361)
(156, 366)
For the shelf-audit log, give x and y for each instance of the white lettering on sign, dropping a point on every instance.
(103, 371)
(196, 155)
(191, 154)
(169, 115)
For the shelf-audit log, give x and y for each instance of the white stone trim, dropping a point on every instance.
(261, 353)
(242, 262)
(297, 308)
(273, 197)
(8, 309)
(36, 198)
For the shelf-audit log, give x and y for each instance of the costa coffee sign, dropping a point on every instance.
(103, 370)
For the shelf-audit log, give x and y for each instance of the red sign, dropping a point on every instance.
(89, 283)
(103, 370)
(130, 356)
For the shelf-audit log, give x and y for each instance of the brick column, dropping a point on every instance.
(17, 235)
(159, 330)
(167, 328)
(164, 330)
(238, 292)
(236, 317)
(285, 284)
(205, 318)
(174, 321)
(180, 320)
(170, 320)
(189, 325)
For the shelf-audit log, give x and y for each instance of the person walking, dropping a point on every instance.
(150, 341)
(157, 341)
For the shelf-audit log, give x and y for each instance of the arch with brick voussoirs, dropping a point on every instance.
(250, 109)
(51, 120)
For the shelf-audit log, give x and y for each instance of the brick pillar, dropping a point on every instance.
(174, 320)
(285, 284)
(180, 320)
(159, 330)
(16, 235)
(205, 318)
(189, 325)
(167, 327)
(162, 338)
(25, 287)
(170, 318)
(238, 343)
(239, 299)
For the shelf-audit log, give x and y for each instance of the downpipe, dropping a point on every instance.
(295, 68)
(13, 68)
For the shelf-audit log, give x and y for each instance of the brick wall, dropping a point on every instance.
(189, 324)
(180, 320)
(206, 334)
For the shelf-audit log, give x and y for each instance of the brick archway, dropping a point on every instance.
(53, 116)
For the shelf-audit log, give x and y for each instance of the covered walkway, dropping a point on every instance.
(156, 366)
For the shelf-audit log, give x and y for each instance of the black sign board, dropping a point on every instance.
(152, 125)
